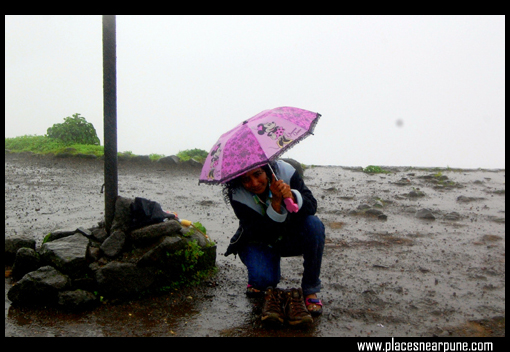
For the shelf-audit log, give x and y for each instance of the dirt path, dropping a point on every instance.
(386, 272)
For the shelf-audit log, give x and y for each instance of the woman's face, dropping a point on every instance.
(255, 181)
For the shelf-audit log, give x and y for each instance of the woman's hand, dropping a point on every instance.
(280, 190)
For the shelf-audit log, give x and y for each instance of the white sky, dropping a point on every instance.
(392, 90)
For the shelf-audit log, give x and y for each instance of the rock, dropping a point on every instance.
(464, 199)
(497, 219)
(123, 280)
(169, 160)
(57, 234)
(193, 163)
(378, 204)
(416, 194)
(150, 233)
(367, 210)
(402, 182)
(27, 260)
(94, 253)
(85, 232)
(425, 214)
(375, 212)
(197, 236)
(39, 287)
(453, 216)
(67, 254)
(13, 244)
(491, 238)
(76, 300)
(114, 244)
(99, 234)
(122, 220)
(159, 255)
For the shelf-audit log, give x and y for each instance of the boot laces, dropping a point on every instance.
(273, 300)
(296, 303)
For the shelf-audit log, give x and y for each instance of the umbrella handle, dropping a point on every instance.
(289, 202)
(290, 205)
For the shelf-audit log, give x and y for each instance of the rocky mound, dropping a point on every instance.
(75, 269)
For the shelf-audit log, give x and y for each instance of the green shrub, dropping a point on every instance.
(74, 130)
(197, 154)
(371, 169)
(126, 154)
(155, 157)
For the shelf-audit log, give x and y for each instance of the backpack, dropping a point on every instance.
(147, 212)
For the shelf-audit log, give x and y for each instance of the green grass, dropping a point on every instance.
(39, 144)
(47, 145)
(371, 169)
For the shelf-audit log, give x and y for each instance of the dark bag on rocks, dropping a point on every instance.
(147, 212)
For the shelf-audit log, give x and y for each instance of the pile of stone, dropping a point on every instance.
(75, 268)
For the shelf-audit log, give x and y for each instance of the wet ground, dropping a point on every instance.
(389, 274)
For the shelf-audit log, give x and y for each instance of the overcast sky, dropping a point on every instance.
(392, 90)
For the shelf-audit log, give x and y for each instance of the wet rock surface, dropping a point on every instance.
(39, 287)
(67, 254)
(398, 275)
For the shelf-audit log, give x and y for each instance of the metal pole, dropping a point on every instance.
(110, 117)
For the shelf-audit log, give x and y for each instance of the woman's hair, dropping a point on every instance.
(230, 187)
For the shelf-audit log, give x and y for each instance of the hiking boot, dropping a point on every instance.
(294, 306)
(272, 311)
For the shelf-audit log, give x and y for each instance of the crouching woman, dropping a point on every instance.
(267, 231)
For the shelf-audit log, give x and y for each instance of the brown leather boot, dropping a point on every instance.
(294, 306)
(272, 311)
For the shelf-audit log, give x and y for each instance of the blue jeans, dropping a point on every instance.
(263, 261)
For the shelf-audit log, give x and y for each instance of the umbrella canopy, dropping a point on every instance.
(256, 141)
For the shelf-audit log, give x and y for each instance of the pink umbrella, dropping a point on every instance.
(256, 141)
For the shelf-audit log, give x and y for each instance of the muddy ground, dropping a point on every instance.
(389, 275)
